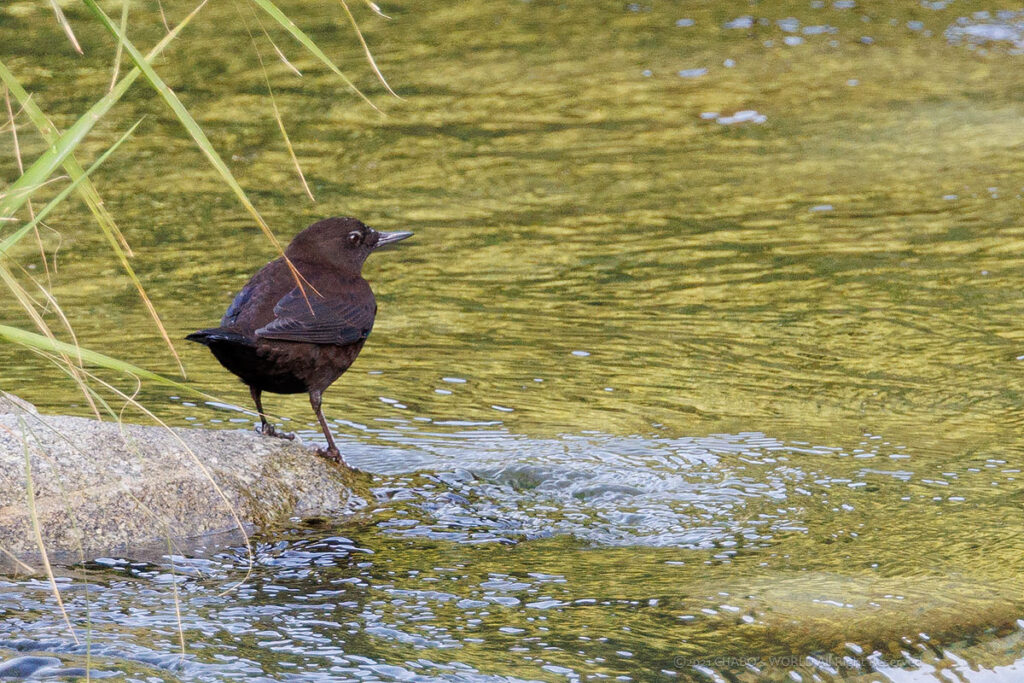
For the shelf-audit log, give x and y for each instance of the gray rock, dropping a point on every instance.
(9, 403)
(104, 487)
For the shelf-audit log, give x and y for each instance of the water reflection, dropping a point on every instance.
(453, 596)
(492, 556)
(706, 355)
(987, 28)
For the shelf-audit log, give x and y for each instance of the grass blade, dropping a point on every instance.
(203, 142)
(48, 162)
(281, 56)
(56, 201)
(23, 296)
(163, 17)
(307, 42)
(39, 534)
(71, 369)
(63, 21)
(120, 45)
(106, 223)
(277, 112)
(50, 133)
(64, 145)
(284, 134)
(21, 169)
(193, 128)
(280, 53)
(375, 8)
(87, 190)
(29, 305)
(366, 48)
(37, 341)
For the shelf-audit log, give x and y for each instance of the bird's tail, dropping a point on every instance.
(218, 334)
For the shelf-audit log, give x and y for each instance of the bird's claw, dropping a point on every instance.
(332, 454)
(270, 430)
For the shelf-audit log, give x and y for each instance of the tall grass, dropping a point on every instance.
(59, 166)
(60, 154)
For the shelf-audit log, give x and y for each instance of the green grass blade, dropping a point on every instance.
(59, 150)
(106, 223)
(203, 142)
(15, 335)
(86, 189)
(307, 42)
(50, 133)
(62, 195)
(120, 46)
(62, 146)
(193, 128)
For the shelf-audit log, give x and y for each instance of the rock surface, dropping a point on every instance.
(101, 487)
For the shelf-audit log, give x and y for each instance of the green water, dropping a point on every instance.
(791, 426)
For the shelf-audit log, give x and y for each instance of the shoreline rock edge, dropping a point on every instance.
(104, 487)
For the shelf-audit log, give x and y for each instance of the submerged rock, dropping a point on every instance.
(103, 487)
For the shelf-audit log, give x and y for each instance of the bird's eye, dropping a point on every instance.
(354, 238)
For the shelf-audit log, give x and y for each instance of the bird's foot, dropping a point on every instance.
(270, 430)
(332, 454)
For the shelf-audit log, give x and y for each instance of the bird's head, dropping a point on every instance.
(341, 242)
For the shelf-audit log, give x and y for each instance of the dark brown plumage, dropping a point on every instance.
(284, 339)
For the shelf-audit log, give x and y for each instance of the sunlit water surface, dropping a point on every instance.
(703, 363)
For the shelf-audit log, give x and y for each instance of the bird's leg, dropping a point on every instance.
(266, 427)
(331, 452)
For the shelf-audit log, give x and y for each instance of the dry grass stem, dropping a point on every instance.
(277, 112)
(64, 24)
(366, 48)
(38, 531)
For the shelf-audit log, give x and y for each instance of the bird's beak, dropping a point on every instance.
(388, 238)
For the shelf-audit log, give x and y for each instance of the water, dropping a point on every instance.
(703, 361)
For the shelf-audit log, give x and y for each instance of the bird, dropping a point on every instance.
(292, 332)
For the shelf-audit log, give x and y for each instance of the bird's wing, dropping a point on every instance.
(231, 315)
(337, 319)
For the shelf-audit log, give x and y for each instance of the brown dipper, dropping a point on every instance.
(281, 338)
